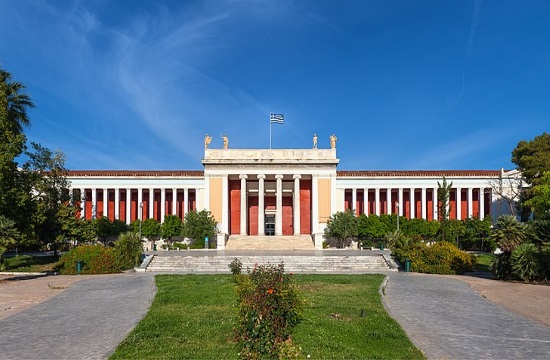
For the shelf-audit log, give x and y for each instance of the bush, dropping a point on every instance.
(525, 262)
(439, 258)
(502, 267)
(236, 266)
(16, 262)
(97, 259)
(269, 308)
(128, 250)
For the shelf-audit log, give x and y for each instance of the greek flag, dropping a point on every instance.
(277, 119)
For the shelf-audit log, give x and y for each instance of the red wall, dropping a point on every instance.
(305, 207)
(253, 215)
(288, 227)
(234, 207)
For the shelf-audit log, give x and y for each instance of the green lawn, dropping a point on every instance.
(484, 262)
(27, 263)
(193, 316)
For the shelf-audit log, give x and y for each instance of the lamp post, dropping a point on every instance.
(140, 216)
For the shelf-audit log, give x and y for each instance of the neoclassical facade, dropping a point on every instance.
(282, 192)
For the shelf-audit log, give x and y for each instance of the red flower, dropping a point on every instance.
(270, 291)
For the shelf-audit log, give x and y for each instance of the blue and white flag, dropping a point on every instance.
(277, 119)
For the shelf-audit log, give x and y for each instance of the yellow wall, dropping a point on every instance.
(324, 199)
(216, 191)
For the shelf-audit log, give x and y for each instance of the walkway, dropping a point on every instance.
(86, 321)
(446, 319)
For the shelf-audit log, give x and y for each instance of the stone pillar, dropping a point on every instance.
(296, 204)
(434, 204)
(314, 205)
(400, 196)
(83, 203)
(128, 206)
(174, 201)
(279, 206)
(458, 203)
(151, 203)
(244, 201)
(224, 226)
(424, 203)
(162, 204)
(377, 201)
(388, 201)
(366, 201)
(412, 203)
(106, 202)
(481, 203)
(185, 201)
(261, 205)
(354, 201)
(470, 202)
(117, 203)
(94, 203)
(140, 204)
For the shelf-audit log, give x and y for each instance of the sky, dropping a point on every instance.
(404, 85)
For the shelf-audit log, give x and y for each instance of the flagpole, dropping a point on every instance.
(270, 125)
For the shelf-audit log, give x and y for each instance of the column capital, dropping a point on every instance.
(243, 176)
(260, 176)
(279, 176)
(297, 176)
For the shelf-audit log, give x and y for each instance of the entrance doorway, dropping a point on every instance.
(270, 225)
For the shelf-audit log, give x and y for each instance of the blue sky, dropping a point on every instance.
(402, 84)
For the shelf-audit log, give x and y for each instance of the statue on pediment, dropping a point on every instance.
(333, 139)
(225, 141)
(207, 141)
(315, 141)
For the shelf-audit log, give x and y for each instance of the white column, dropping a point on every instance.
(354, 201)
(117, 203)
(366, 201)
(151, 203)
(400, 195)
(470, 203)
(481, 203)
(412, 202)
(94, 203)
(296, 204)
(388, 201)
(314, 205)
(129, 206)
(434, 204)
(424, 203)
(244, 209)
(224, 226)
(162, 204)
(279, 210)
(105, 202)
(377, 201)
(140, 204)
(458, 203)
(174, 201)
(185, 201)
(83, 203)
(261, 205)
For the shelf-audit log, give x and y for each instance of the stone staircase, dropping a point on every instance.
(218, 264)
(239, 243)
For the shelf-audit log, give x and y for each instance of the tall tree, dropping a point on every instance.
(172, 226)
(14, 102)
(342, 226)
(444, 208)
(533, 157)
(540, 196)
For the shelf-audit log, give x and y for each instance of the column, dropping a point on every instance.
(185, 201)
(366, 201)
(400, 195)
(105, 202)
(434, 204)
(377, 201)
(470, 202)
(412, 202)
(174, 201)
(151, 203)
(458, 203)
(388, 201)
(261, 205)
(481, 203)
(314, 205)
(83, 203)
(424, 203)
(224, 226)
(162, 204)
(128, 206)
(94, 203)
(117, 203)
(140, 205)
(354, 201)
(279, 211)
(296, 204)
(244, 208)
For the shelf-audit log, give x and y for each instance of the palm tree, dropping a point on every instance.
(508, 233)
(14, 103)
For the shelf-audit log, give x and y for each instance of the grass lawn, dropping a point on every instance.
(27, 263)
(484, 262)
(193, 316)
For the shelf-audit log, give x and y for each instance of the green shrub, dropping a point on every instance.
(525, 262)
(440, 258)
(16, 262)
(269, 308)
(502, 266)
(236, 266)
(97, 259)
(128, 250)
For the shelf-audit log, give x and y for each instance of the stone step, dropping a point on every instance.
(251, 243)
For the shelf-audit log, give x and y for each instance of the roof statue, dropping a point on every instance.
(225, 141)
(333, 139)
(315, 141)
(207, 141)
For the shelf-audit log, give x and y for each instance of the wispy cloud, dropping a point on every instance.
(473, 29)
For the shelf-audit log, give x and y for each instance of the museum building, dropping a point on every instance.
(283, 192)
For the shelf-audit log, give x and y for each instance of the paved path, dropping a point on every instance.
(446, 319)
(86, 321)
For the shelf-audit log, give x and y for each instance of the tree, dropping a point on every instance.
(540, 196)
(342, 226)
(150, 228)
(8, 233)
(103, 228)
(508, 189)
(508, 233)
(199, 225)
(443, 208)
(172, 226)
(371, 227)
(14, 103)
(533, 157)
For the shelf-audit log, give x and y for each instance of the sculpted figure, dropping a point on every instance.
(225, 141)
(333, 139)
(315, 141)
(207, 141)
